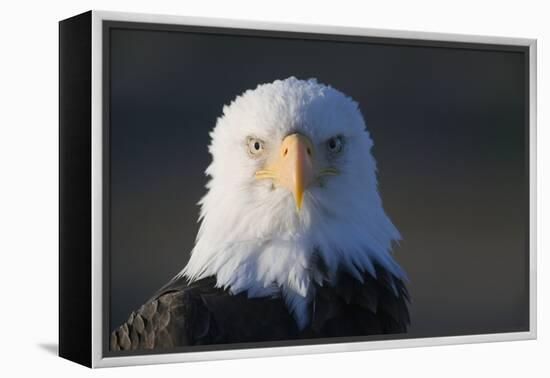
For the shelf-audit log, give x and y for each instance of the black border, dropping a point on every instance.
(75, 189)
(107, 26)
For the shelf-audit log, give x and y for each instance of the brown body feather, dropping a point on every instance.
(182, 314)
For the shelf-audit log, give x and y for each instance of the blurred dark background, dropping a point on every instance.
(448, 127)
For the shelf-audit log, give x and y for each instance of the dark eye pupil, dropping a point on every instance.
(332, 144)
(256, 146)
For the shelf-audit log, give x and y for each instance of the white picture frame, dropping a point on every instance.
(97, 356)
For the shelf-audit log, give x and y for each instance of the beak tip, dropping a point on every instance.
(299, 203)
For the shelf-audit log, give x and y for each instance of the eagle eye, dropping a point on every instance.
(335, 144)
(255, 146)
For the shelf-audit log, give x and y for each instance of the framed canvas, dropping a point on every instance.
(232, 189)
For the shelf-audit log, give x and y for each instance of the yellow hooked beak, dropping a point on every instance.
(293, 167)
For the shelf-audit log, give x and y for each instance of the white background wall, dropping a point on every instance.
(29, 174)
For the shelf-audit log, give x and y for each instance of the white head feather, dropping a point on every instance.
(252, 238)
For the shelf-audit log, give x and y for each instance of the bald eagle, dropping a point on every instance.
(294, 242)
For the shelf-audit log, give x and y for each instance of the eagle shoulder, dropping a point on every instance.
(174, 316)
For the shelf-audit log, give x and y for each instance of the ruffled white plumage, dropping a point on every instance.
(251, 236)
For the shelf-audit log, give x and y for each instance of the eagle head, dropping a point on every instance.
(292, 188)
